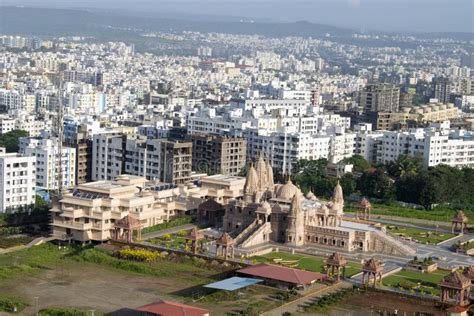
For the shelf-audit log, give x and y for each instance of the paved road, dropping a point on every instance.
(172, 230)
(428, 225)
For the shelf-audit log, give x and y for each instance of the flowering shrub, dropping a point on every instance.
(138, 255)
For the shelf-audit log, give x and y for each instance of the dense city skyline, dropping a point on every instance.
(232, 159)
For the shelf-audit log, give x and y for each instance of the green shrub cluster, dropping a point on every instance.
(14, 241)
(55, 311)
(98, 257)
(10, 305)
(5, 231)
(286, 295)
(326, 301)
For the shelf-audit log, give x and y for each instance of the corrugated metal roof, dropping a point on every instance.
(232, 284)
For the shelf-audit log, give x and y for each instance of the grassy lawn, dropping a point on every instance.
(48, 257)
(174, 241)
(420, 235)
(57, 311)
(172, 223)
(10, 304)
(314, 264)
(86, 278)
(441, 215)
(13, 241)
(427, 282)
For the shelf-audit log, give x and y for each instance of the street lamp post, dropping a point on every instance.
(36, 306)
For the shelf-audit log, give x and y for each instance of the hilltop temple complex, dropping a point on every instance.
(280, 213)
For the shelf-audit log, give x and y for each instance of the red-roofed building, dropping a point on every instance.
(456, 311)
(167, 308)
(280, 276)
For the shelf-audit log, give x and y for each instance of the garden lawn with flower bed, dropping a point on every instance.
(427, 282)
(304, 262)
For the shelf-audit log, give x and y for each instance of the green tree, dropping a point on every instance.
(348, 184)
(10, 140)
(40, 204)
(324, 187)
(311, 167)
(359, 163)
(404, 166)
(447, 183)
(376, 184)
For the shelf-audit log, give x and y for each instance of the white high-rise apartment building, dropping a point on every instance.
(17, 182)
(435, 145)
(284, 150)
(108, 155)
(366, 141)
(47, 162)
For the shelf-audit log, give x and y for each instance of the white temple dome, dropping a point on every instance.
(287, 191)
(265, 207)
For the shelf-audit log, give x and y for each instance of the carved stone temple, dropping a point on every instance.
(280, 213)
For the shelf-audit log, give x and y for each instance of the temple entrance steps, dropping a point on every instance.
(388, 244)
(246, 232)
(259, 235)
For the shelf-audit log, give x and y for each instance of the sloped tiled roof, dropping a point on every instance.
(168, 308)
(284, 274)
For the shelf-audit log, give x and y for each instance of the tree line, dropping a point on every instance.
(404, 179)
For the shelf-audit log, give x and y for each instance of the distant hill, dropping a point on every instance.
(64, 22)
(61, 22)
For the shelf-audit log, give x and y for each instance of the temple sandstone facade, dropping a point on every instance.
(280, 213)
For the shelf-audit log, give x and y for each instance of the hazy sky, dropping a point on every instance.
(386, 15)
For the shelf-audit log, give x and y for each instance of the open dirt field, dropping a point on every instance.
(378, 301)
(91, 286)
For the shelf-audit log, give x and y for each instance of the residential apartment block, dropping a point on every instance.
(218, 154)
(380, 97)
(155, 159)
(17, 182)
(433, 147)
(48, 162)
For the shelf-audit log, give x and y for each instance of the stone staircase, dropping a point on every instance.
(245, 233)
(388, 244)
(256, 236)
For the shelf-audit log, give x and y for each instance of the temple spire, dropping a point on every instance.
(251, 182)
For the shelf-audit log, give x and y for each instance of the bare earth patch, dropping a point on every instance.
(388, 302)
(90, 287)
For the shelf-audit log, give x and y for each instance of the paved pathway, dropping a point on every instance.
(429, 226)
(34, 242)
(295, 305)
(172, 230)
